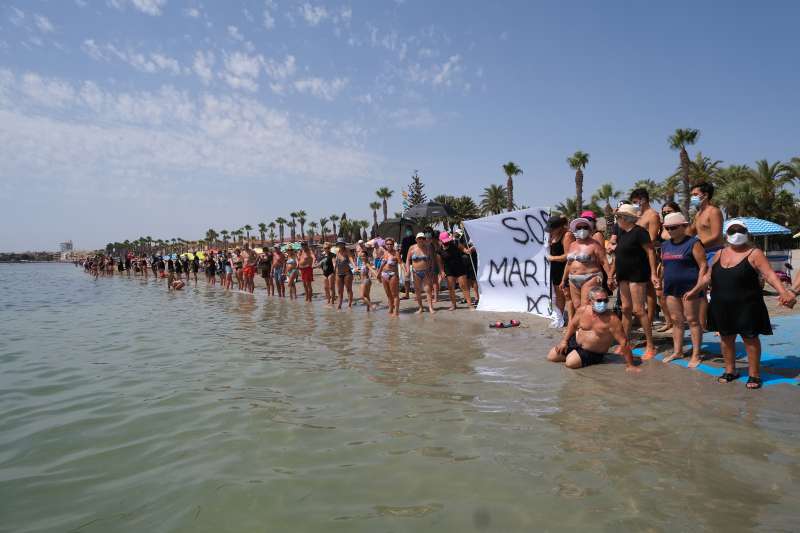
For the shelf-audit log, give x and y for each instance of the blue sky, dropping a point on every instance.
(123, 118)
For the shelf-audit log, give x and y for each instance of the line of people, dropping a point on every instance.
(424, 261)
(684, 266)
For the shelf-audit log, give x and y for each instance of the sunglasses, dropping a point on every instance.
(672, 228)
(601, 300)
(734, 230)
(582, 227)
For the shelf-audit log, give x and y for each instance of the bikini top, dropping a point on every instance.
(291, 261)
(392, 261)
(581, 258)
(416, 257)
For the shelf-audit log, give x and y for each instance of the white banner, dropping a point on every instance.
(513, 271)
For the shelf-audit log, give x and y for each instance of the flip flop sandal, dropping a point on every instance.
(727, 378)
(754, 382)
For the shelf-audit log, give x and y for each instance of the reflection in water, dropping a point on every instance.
(127, 409)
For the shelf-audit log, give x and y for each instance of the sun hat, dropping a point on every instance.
(674, 219)
(589, 215)
(556, 221)
(735, 222)
(445, 237)
(420, 235)
(578, 221)
(628, 210)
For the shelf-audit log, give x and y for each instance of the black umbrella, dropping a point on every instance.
(427, 210)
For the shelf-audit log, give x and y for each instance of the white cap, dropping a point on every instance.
(420, 235)
(735, 222)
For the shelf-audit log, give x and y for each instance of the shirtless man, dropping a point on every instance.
(707, 226)
(305, 262)
(249, 260)
(590, 334)
(649, 220)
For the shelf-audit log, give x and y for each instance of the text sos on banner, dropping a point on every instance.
(513, 270)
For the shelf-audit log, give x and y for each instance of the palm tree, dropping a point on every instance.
(578, 162)
(248, 228)
(364, 225)
(678, 141)
(293, 216)
(211, 237)
(323, 223)
(384, 193)
(312, 229)
(272, 225)
(280, 221)
(334, 219)
(262, 229)
(301, 219)
(494, 199)
(793, 167)
(375, 206)
(607, 193)
(703, 168)
(511, 170)
(647, 184)
(292, 225)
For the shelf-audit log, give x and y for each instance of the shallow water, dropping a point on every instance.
(125, 408)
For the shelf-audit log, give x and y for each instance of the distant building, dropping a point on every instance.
(65, 246)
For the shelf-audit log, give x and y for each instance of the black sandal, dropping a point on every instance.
(753, 382)
(727, 378)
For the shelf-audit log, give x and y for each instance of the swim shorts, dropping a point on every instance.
(277, 274)
(249, 271)
(587, 358)
(307, 274)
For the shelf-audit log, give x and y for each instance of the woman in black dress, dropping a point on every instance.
(737, 303)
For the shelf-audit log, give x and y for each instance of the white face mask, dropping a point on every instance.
(737, 239)
(582, 234)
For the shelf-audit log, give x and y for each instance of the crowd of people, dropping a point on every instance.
(661, 260)
(425, 261)
(652, 261)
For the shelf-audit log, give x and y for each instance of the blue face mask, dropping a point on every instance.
(695, 201)
(600, 307)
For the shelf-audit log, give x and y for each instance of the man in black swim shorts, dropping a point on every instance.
(590, 334)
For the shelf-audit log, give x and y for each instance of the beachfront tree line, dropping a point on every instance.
(760, 191)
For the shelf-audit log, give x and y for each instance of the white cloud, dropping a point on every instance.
(412, 118)
(43, 23)
(150, 63)
(17, 16)
(327, 90)
(149, 7)
(281, 70)
(241, 71)
(81, 3)
(192, 12)
(50, 93)
(166, 63)
(203, 61)
(163, 138)
(269, 18)
(234, 33)
(447, 71)
(313, 15)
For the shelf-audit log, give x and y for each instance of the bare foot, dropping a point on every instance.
(672, 357)
(419, 311)
(433, 311)
(649, 353)
(665, 328)
(694, 362)
(452, 308)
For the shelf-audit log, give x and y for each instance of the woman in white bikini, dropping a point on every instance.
(585, 259)
(390, 277)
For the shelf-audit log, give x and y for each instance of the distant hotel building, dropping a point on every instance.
(66, 250)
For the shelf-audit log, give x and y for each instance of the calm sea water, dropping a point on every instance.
(125, 408)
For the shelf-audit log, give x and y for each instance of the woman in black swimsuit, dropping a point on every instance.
(737, 302)
(451, 265)
(557, 226)
(343, 265)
